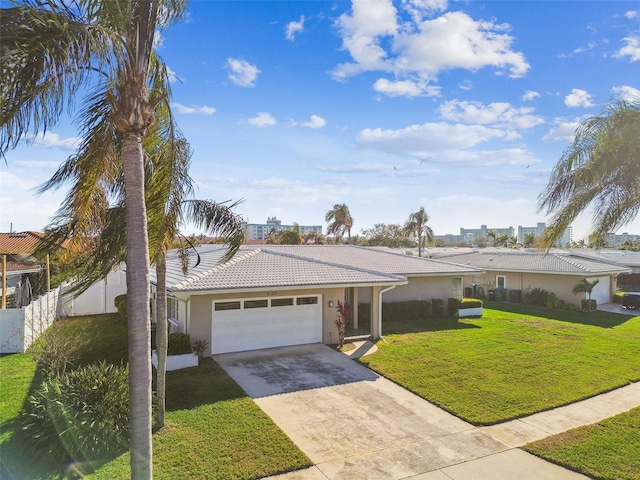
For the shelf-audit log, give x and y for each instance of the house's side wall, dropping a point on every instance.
(560, 285)
(200, 315)
(424, 288)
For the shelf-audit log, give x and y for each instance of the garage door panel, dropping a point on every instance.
(254, 328)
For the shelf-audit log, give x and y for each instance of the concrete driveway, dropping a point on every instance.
(354, 424)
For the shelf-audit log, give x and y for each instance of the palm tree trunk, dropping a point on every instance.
(138, 309)
(161, 337)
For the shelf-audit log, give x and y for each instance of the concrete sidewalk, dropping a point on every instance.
(453, 455)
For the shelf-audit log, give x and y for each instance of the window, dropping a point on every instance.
(501, 281)
(281, 302)
(256, 303)
(172, 308)
(307, 301)
(220, 306)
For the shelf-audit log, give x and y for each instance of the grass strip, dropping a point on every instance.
(608, 450)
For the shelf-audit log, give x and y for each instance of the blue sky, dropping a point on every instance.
(461, 107)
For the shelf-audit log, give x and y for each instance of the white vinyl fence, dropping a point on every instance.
(98, 298)
(20, 327)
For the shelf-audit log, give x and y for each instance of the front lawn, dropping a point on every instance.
(213, 429)
(608, 450)
(510, 364)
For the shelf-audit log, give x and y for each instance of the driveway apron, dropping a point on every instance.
(352, 423)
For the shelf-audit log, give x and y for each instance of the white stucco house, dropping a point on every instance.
(279, 295)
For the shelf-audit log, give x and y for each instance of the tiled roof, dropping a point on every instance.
(619, 257)
(259, 269)
(282, 266)
(19, 242)
(376, 259)
(553, 263)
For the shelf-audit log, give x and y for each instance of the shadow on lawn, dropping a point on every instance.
(202, 385)
(596, 319)
(392, 326)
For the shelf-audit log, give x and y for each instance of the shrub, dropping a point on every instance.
(56, 350)
(178, 344)
(452, 306)
(587, 305)
(120, 302)
(470, 303)
(437, 306)
(199, 347)
(408, 311)
(537, 297)
(82, 416)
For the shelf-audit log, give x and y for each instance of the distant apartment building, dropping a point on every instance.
(473, 236)
(260, 231)
(615, 240)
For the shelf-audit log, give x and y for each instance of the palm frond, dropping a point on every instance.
(219, 220)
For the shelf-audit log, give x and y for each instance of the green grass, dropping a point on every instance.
(510, 364)
(213, 429)
(608, 450)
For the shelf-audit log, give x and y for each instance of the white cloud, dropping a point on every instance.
(405, 88)
(422, 49)
(262, 119)
(578, 98)
(420, 140)
(632, 49)
(563, 131)
(314, 122)
(420, 9)
(530, 95)
(193, 109)
(242, 72)
(53, 140)
(361, 34)
(631, 14)
(497, 113)
(625, 92)
(357, 168)
(173, 76)
(294, 27)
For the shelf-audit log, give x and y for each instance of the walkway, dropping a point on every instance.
(465, 453)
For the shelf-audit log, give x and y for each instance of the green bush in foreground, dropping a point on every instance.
(82, 416)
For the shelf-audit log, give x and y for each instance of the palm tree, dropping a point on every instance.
(340, 220)
(492, 234)
(600, 168)
(416, 227)
(49, 51)
(585, 286)
(167, 186)
(529, 239)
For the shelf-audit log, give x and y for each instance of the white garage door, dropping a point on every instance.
(601, 293)
(253, 323)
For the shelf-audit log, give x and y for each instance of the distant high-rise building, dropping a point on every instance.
(475, 236)
(260, 231)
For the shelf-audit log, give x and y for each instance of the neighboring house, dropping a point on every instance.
(278, 295)
(622, 258)
(522, 271)
(18, 265)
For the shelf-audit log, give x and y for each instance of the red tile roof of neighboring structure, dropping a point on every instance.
(19, 243)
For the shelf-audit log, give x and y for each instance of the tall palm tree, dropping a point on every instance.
(340, 221)
(416, 226)
(600, 168)
(49, 50)
(167, 185)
